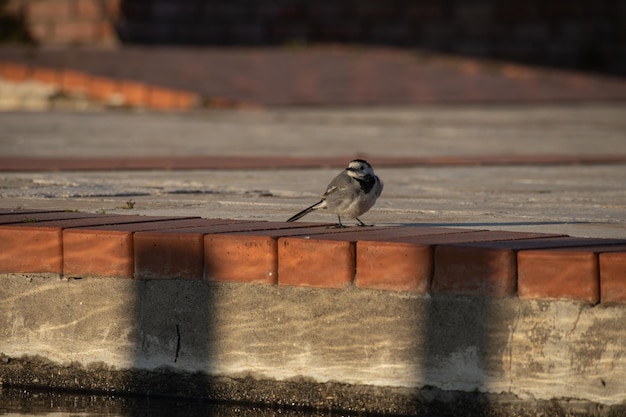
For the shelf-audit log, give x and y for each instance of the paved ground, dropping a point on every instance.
(581, 200)
(454, 113)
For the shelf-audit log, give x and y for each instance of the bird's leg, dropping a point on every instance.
(361, 223)
(340, 224)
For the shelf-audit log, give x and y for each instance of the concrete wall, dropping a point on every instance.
(382, 349)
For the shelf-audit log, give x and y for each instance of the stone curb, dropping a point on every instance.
(419, 260)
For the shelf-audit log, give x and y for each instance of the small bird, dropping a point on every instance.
(350, 194)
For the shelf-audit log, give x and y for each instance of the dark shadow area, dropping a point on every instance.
(33, 402)
(585, 35)
(13, 28)
(25, 402)
(172, 339)
(461, 326)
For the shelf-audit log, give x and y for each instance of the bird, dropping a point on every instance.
(350, 194)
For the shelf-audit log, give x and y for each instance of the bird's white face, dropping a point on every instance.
(359, 168)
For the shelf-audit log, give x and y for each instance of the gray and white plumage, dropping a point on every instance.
(350, 194)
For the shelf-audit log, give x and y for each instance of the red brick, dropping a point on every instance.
(75, 81)
(47, 76)
(50, 9)
(74, 263)
(391, 234)
(74, 31)
(302, 229)
(68, 223)
(98, 253)
(105, 89)
(30, 249)
(40, 30)
(239, 258)
(14, 72)
(185, 100)
(133, 224)
(479, 273)
(558, 274)
(97, 221)
(233, 258)
(487, 268)
(113, 7)
(316, 262)
(162, 98)
(239, 226)
(89, 9)
(394, 266)
(108, 250)
(468, 236)
(35, 218)
(234, 248)
(220, 103)
(423, 237)
(613, 277)
(256, 249)
(135, 93)
(472, 271)
(104, 32)
(160, 255)
(156, 245)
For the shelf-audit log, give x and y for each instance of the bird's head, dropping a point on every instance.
(359, 168)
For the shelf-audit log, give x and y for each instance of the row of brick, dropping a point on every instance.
(420, 260)
(111, 91)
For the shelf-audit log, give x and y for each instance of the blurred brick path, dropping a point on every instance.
(331, 75)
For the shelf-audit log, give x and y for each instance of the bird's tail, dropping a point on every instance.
(307, 210)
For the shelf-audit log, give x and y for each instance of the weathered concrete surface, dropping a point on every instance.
(381, 343)
(575, 200)
(473, 129)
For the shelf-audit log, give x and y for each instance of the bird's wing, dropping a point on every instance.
(379, 191)
(329, 190)
(341, 181)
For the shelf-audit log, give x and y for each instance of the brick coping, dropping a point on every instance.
(415, 259)
(40, 164)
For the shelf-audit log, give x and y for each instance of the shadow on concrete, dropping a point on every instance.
(172, 338)
(455, 344)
